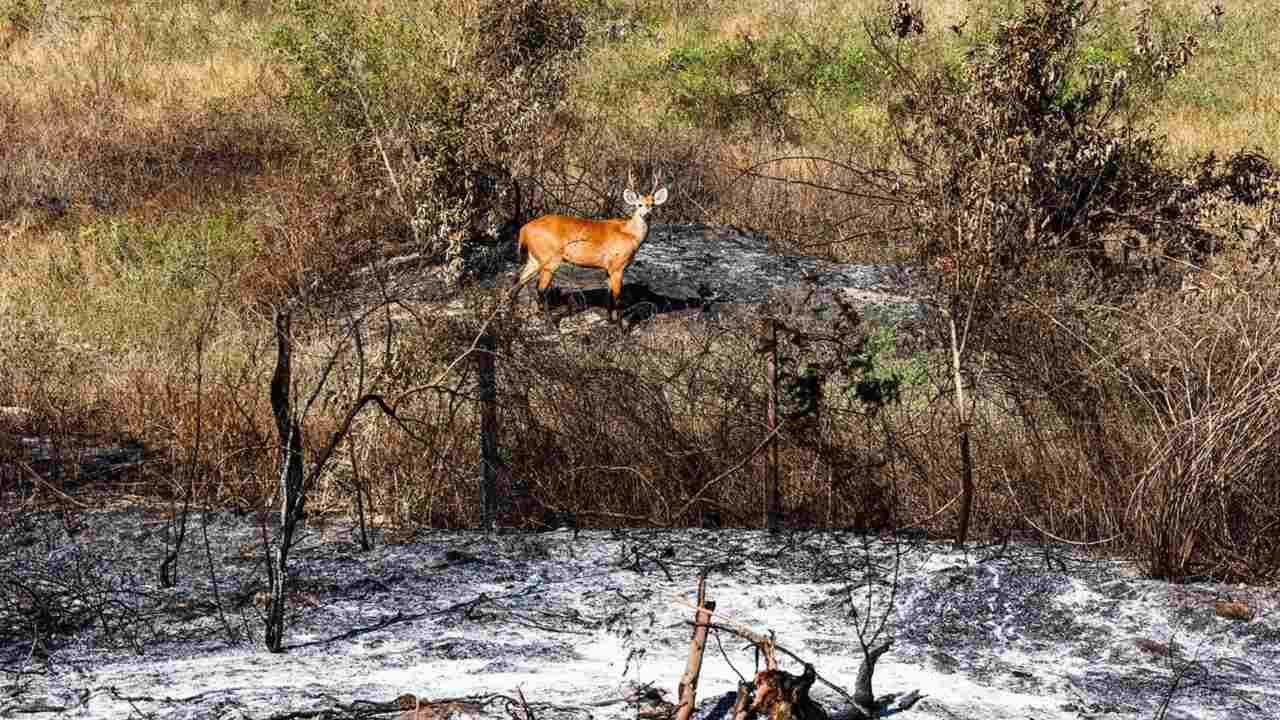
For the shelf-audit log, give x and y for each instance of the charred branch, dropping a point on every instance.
(779, 694)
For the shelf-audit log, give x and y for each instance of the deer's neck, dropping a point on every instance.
(637, 226)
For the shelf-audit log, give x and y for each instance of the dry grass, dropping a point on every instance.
(107, 106)
(1253, 121)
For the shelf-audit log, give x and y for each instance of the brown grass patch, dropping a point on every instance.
(1193, 130)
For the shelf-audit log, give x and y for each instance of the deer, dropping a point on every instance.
(605, 244)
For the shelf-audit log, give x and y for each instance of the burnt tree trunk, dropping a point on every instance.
(291, 484)
(966, 452)
(782, 696)
(773, 492)
(488, 431)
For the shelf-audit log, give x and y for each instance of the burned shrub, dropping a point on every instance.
(1028, 156)
(1030, 182)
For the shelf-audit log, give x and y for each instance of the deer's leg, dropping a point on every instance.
(531, 268)
(615, 292)
(544, 282)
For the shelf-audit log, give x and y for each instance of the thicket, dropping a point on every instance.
(1047, 210)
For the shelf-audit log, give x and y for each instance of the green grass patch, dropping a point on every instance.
(126, 283)
(745, 82)
(1220, 75)
(180, 256)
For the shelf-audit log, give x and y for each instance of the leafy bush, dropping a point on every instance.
(339, 67)
(23, 15)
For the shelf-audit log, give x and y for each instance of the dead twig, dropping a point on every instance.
(524, 705)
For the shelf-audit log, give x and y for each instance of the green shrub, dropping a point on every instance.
(340, 64)
(847, 71)
(25, 15)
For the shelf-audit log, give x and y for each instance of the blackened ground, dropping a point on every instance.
(579, 624)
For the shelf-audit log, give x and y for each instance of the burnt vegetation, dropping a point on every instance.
(1099, 360)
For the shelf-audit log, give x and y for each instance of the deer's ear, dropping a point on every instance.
(660, 197)
(629, 197)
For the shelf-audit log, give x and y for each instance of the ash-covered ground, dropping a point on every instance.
(580, 626)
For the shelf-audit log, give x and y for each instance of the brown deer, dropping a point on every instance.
(605, 244)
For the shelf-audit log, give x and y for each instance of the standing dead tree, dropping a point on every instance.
(290, 421)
